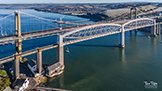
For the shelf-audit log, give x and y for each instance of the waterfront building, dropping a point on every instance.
(54, 69)
(21, 84)
(32, 66)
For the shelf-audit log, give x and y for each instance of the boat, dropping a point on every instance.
(149, 37)
(67, 50)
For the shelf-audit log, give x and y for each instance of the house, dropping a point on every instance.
(21, 84)
(54, 69)
(32, 66)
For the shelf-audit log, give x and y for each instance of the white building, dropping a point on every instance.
(32, 66)
(21, 84)
(54, 69)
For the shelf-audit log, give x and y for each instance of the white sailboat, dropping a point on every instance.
(148, 37)
(1, 33)
(67, 50)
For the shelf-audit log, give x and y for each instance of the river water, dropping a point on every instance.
(98, 64)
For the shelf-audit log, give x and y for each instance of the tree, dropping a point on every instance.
(5, 83)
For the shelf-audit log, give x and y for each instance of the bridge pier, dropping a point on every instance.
(39, 61)
(60, 50)
(16, 67)
(122, 38)
(158, 29)
(136, 30)
(153, 30)
(130, 32)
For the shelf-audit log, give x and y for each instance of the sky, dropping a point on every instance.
(72, 1)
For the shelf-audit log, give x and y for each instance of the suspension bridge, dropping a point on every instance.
(14, 29)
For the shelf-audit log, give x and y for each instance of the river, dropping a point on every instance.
(98, 64)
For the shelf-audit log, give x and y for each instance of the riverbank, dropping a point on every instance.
(93, 17)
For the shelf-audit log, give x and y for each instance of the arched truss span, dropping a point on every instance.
(138, 23)
(90, 32)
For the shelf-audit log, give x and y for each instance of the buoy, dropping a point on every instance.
(7, 27)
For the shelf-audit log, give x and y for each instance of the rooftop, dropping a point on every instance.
(18, 82)
(32, 63)
(53, 66)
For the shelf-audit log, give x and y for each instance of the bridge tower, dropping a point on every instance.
(122, 38)
(136, 13)
(131, 13)
(18, 46)
(39, 60)
(18, 42)
(60, 50)
(136, 30)
(130, 18)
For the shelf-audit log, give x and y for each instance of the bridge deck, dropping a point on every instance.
(10, 58)
(47, 32)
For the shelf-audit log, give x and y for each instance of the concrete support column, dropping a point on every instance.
(157, 28)
(16, 67)
(136, 30)
(60, 50)
(119, 38)
(18, 43)
(153, 31)
(122, 38)
(39, 61)
(130, 32)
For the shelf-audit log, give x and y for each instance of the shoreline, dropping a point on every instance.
(92, 17)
